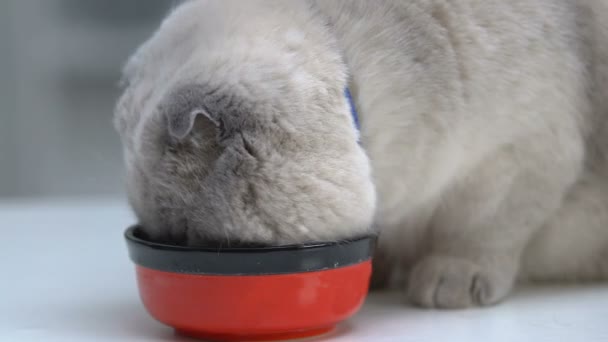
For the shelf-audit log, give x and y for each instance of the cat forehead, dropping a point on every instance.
(212, 26)
(172, 42)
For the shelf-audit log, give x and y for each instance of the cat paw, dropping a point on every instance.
(453, 283)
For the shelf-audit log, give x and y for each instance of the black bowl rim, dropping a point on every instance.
(281, 259)
(130, 235)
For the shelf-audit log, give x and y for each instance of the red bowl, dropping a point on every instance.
(259, 293)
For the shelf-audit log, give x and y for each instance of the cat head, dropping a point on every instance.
(236, 129)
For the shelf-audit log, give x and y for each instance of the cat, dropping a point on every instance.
(482, 154)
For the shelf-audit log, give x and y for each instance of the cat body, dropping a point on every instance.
(481, 157)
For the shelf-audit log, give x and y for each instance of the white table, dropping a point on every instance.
(65, 276)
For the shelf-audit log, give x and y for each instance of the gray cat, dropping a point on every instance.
(482, 156)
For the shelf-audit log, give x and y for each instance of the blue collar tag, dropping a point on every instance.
(353, 111)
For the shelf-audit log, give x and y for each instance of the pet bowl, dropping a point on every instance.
(257, 293)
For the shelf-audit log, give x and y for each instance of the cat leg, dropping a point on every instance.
(484, 222)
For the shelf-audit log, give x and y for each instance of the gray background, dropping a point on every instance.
(59, 65)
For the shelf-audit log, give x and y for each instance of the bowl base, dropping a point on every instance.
(288, 335)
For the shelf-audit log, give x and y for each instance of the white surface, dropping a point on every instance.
(66, 277)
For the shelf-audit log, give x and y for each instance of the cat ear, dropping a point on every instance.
(180, 124)
(183, 108)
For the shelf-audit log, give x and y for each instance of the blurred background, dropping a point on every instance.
(60, 63)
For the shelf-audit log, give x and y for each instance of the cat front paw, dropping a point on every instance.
(453, 283)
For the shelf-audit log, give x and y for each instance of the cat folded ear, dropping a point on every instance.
(183, 107)
(182, 123)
